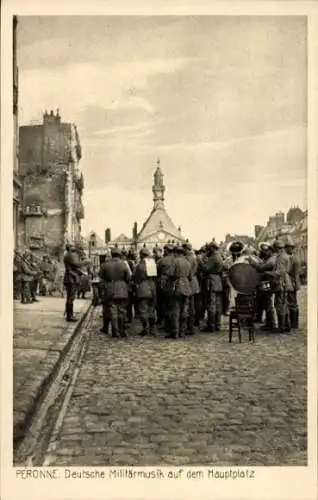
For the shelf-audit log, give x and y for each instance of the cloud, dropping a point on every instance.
(115, 130)
(74, 87)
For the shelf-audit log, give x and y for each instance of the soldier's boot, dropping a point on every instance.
(281, 323)
(152, 327)
(211, 323)
(183, 327)
(173, 329)
(287, 323)
(297, 319)
(23, 298)
(217, 322)
(144, 330)
(70, 313)
(294, 320)
(122, 327)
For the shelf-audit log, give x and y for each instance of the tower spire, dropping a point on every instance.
(158, 187)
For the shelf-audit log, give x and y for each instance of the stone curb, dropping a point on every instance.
(29, 397)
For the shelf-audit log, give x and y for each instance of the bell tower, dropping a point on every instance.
(158, 188)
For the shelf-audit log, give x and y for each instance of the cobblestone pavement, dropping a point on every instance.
(40, 334)
(197, 401)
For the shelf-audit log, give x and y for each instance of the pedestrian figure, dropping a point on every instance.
(294, 273)
(116, 277)
(144, 278)
(213, 270)
(71, 279)
(164, 288)
(283, 285)
(179, 272)
(27, 276)
(265, 298)
(194, 310)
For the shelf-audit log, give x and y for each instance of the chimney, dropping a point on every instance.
(257, 230)
(135, 231)
(107, 236)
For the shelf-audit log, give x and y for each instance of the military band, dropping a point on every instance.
(178, 291)
(190, 286)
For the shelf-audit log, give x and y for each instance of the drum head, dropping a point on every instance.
(244, 278)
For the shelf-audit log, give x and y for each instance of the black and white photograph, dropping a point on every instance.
(159, 241)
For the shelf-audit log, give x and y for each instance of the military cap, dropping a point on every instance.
(278, 244)
(115, 252)
(264, 246)
(289, 242)
(236, 247)
(187, 246)
(178, 249)
(213, 244)
(145, 252)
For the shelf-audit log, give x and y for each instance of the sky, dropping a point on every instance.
(220, 100)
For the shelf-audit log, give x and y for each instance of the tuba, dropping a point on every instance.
(243, 277)
(235, 247)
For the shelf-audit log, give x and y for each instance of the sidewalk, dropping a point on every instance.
(40, 335)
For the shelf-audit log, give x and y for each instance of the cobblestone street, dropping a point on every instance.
(195, 401)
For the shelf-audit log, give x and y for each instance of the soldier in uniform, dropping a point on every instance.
(213, 271)
(294, 273)
(164, 286)
(72, 275)
(34, 284)
(116, 275)
(194, 303)
(179, 273)
(16, 276)
(283, 285)
(27, 276)
(267, 285)
(202, 305)
(145, 294)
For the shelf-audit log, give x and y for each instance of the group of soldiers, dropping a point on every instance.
(177, 290)
(32, 276)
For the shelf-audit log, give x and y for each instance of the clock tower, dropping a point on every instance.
(158, 228)
(158, 188)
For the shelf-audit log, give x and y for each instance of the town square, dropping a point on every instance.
(160, 240)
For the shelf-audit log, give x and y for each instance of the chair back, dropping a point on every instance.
(245, 304)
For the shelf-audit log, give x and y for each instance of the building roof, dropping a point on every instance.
(99, 241)
(122, 238)
(158, 220)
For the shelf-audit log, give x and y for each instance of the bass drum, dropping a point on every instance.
(244, 278)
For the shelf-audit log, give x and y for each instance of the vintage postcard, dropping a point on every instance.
(159, 253)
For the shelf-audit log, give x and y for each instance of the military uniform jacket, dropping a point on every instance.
(194, 283)
(280, 273)
(72, 268)
(213, 270)
(294, 272)
(27, 273)
(180, 273)
(145, 287)
(163, 267)
(115, 274)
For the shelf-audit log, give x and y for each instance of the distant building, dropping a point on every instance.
(16, 202)
(158, 229)
(53, 184)
(294, 225)
(245, 239)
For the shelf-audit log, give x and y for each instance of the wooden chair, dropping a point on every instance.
(243, 316)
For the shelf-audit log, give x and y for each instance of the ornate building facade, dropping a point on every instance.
(52, 184)
(158, 229)
(16, 202)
